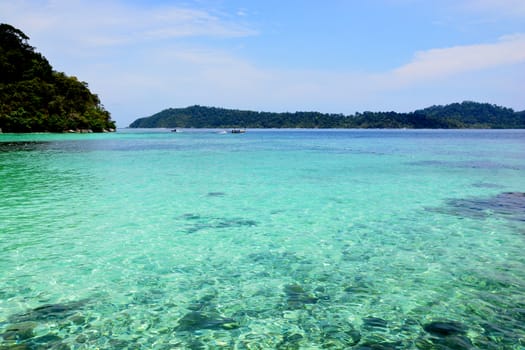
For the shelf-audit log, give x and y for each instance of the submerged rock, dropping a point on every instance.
(48, 339)
(486, 185)
(78, 319)
(49, 312)
(196, 320)
(380, 346)
(235, 223)
(510, 205)
(81, 339)
(479, 164)
(16, 347)
(445, 328)
(119, 344)
(195, 344)
(216, 194)
(19, 331)
(296, 296)
(204, 303)
(202, 223)
(339, 335)
(455, 342)
(191, 216)
(374, 322)
(290, 341)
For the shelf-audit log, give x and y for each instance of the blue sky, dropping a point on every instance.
(338, 56)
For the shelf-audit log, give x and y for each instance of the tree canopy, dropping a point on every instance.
(34, 97)
(457, 115)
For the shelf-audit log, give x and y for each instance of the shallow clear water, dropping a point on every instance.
(270, 239)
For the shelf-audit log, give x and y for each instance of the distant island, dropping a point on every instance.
(36, 98)
(452, 116)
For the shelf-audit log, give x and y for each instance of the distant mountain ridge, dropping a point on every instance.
(462, 115)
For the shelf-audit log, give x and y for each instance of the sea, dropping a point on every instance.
(269, 239)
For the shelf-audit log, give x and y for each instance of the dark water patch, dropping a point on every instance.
(350, 254)
(497, 336)
(495, 330)
(120, 344)
(190, 216)
(205, 303)
(486, 185)
(445, 328)
(359, 288)
(380, 346)
(197, 320)
(407, 328)
(297, 297)
(464, 164)
(374, 322)
(47, 341)
(51, 340)
(81, 339)
(508, 205)
(225, 223)
(427, 163)
(277, 211)
(291, 340)
(279, 264)
(19, 331)
(266, 257)
(455, 342)
(444, 334)
(77, 320)
(49, 312)
(490, 283)
(518, 313)
(500, 315)
(200, 223)
(195, 344)
(216, 194)
(21, 146)
(339, 335)
(148, 297)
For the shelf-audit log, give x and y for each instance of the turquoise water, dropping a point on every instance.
(266, 240)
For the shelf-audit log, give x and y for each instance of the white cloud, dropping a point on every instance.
(442, 63)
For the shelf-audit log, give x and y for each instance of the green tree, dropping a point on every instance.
(34, 97)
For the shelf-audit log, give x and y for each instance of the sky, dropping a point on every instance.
(331, 56)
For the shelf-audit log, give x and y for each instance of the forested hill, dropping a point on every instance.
(452, 116)
(34, 97)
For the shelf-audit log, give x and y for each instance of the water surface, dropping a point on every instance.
(290, 239)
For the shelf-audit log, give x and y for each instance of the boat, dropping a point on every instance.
(238, 131)
(173, 130)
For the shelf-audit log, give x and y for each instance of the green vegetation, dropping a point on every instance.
(34, 97)
(452, 116)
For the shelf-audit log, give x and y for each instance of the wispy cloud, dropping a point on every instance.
(115, 23)
(179, 22)
(445, 62)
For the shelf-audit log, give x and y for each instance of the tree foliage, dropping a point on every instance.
(34, 97)
(453, 116)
